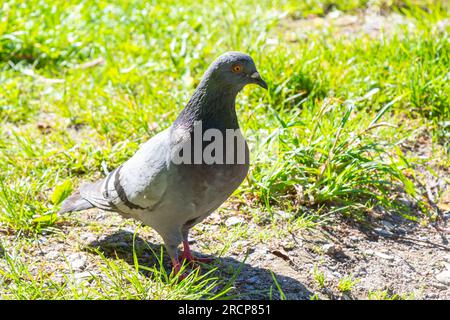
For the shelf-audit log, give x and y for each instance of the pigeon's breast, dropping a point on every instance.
(205, 186)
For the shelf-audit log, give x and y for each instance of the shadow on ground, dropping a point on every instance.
(251, 283)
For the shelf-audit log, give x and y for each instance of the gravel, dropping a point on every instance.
(77, 261)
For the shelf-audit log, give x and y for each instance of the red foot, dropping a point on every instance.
(177, 269)
(187, 255)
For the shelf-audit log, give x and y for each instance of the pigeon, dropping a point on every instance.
(176, 179)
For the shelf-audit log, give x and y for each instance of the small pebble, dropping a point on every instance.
(81, 276)
(233, 221)
(88, 237)
(384, 256)
(77, 261)
(284, 214)
(52, 255)
(328, 248)
(337, 274)
(444, 277)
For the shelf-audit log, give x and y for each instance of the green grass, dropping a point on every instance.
(336, 114)
(346, 284)
(116, 280)
(385, 295)
(319, 278)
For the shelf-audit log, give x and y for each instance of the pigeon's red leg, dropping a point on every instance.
(187, 254)
(176, 269)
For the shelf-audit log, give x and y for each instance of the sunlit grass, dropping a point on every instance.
(115, 279)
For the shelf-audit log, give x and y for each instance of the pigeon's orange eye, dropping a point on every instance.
(236, 68)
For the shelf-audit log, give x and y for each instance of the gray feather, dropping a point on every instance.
(75, 203)
(93, 193)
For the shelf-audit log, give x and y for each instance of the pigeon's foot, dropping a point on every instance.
(187, 255)
(177, 270)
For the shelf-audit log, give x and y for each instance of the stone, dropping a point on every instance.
(77, 261)
(444, 277)
(81, 276)
(384, 256)
(329, 248)
(52, 255)
(233, 221)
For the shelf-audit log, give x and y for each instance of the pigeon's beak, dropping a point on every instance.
(255, 76)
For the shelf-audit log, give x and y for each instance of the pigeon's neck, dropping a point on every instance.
(213, 106)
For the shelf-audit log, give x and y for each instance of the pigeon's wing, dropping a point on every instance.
(138, 184)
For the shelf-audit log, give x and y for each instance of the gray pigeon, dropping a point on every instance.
(176, 179)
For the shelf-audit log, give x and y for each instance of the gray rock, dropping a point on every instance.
(42, 240)
(384, 256)
(444, 277)
(213, 228)
(439, 285)
(88, 237)
(284, 214)
(52, 255)
(81, 276)
(329, 248)
(77, 261)
(233, 221)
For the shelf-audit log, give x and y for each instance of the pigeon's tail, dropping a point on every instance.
(90, 195)
(75, 203)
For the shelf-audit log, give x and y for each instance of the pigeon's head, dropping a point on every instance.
(234, 70)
